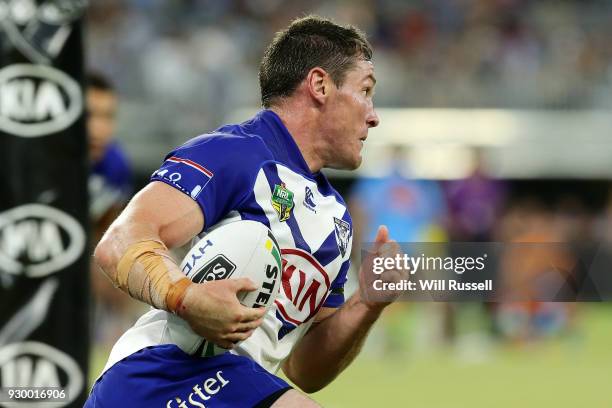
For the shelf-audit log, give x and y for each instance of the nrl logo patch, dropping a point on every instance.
(343, 234)
(282, 201)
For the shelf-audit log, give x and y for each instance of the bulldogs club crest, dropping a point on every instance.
(343, 234)
(282, 201)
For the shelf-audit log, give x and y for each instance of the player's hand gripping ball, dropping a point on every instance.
(240, 249)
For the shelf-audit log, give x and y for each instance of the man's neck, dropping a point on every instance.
(302, 125)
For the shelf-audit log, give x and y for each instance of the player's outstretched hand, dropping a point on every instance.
(213, 311)
(383, 247)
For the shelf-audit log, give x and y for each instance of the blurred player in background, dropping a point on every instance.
(534, 272)
(110, 187)
(414, 209)
(110, 181)
(317, 83)
(475, 204)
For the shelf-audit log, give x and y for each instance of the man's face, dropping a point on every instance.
(102, 109)
(348, 117)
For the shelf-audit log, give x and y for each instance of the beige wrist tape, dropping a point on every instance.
(145, 271)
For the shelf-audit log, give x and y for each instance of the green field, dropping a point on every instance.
(575, 372)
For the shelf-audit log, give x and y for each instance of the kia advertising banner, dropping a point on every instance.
(44, 283)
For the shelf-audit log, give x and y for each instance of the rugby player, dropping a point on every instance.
(317, 83)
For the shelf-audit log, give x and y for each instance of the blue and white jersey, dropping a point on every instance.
(110, 181)
(255, 171)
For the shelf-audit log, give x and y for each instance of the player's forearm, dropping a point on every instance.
(335, 342)
(133, 251)
(132, 255)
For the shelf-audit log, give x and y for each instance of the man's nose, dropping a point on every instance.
(373, 120)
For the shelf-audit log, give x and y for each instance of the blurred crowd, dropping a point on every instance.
(480, 208)
(197, 59)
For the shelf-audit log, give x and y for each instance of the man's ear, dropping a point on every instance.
(319, 84)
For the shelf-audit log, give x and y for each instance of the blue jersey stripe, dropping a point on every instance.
(300, 242)
(341, 278)
(328, 251)
(254, 212)
(336, 299)
(326, 189)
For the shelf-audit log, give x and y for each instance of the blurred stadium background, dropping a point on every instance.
(508, 100)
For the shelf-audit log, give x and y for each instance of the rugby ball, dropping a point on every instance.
(233, 250)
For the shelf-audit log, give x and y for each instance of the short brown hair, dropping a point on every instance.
(97, 80)
(309, 42)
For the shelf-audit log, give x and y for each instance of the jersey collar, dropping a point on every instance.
(285, 148)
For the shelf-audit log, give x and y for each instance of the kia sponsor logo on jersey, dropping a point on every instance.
(37, 240)
(305, 285)
(32, 364)
(37, 100)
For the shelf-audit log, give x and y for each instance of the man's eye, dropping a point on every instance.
(366, 91)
